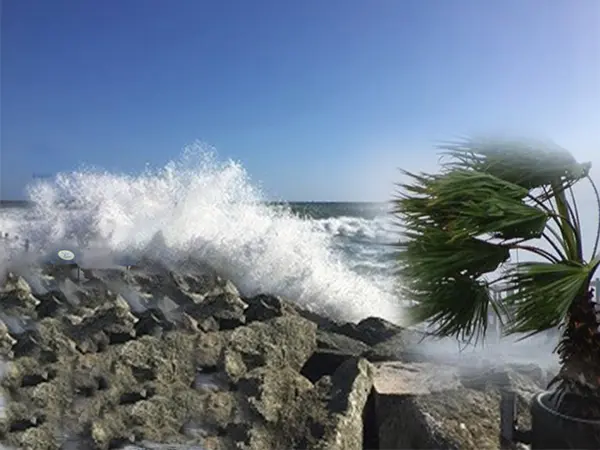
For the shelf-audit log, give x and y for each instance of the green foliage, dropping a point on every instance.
(526, 164)
(545, 292)
(460, 225)
(470, 203)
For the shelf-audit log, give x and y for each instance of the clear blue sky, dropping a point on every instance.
(320, 100)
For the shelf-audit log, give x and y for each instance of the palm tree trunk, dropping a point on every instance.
(579, 352)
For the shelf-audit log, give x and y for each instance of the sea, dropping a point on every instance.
(336, 258)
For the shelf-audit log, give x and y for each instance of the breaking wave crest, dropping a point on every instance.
(201, 208)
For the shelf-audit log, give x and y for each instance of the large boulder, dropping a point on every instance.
(226, 309)
(294, 413)
(264, 307)
(332, 350)
(283, 341)
(351, 385)
(371, 330)
(432, 406)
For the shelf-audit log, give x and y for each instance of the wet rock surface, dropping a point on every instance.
(152, 358)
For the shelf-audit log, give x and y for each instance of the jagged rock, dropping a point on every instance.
(332, 350)
(16, 297)
(153, 322)
(209, 380)
(269, 391)
(53, 336)
(6, 342)
(338, 342)
(27, 343)
(168, 361)
(286, 340)
(351, 385)
(52, 304)
(209, 348)
(92, 332)
(16, 285)
(149, 288)
(202, 281)
(226, 309)
(91, 293)
(296, 414)
(371, 330)
(424, 405)
(264, 307)
(114, 317)
(44, 340)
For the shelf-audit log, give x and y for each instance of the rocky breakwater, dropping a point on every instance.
(110, 358)
(116, 358)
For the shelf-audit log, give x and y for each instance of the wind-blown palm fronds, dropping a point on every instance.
(460, 225)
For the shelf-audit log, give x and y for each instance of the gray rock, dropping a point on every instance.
(283, 341)
(6, 342)
(371, 331)
(201, 280)
(226, 309)
(351, 385)
(264, 307)
(427, 406)
(333, 349)
(334, 341)
(16, 297)
(295, 414)
(209, 348)
(269, 391)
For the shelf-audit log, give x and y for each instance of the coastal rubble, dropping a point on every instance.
(150, 357)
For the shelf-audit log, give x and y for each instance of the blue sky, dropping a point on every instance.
(320, 100)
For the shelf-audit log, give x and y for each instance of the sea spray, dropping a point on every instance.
(492, 351)
(205, 209)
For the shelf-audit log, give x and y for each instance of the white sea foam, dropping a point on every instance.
(209, 210)
(379, 229)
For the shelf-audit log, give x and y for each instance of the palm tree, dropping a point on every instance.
(460, 226)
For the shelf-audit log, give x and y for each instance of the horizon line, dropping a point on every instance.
(29, 202)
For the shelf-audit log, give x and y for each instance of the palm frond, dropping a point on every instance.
(457, 307)
(469, 204)
(434, 254)
(544, 293)
(529, 164)
(461, 223)
(442, 276)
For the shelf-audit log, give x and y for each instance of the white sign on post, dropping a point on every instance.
(66, 255)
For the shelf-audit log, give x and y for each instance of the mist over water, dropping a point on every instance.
(198, 207)
(494, 352)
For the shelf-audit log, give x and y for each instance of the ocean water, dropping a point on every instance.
(334, 258)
